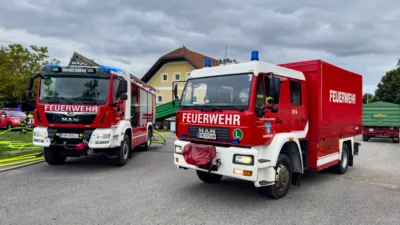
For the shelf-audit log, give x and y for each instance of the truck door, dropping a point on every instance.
(135, 115)
(272, 121)
(298, 118)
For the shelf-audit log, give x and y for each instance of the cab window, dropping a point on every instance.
(295, 93)
(267, 82)
(260, 93)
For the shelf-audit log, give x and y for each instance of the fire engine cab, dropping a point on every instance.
(268, 123)
(85, 110)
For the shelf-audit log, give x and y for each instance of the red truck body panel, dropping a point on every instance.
(334, 98)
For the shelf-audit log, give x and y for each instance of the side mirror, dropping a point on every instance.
(275, 87)
(28, 94)
(30, 83)
(123, 86)
(176, 92)
(123, 96)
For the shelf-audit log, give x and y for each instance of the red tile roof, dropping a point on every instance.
(180, 54)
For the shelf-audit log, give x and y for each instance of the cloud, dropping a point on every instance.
(361, 36)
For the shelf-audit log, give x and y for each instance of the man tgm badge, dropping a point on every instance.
(268, 127)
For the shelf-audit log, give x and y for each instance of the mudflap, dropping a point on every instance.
(355, 150)
(296, 178)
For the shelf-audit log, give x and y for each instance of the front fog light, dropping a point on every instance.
(103, 136)
(38, 134)
(243, 159)
(178, 149)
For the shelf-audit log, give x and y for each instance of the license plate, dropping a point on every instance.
(207, 134)
(69, 135)
(371, 129)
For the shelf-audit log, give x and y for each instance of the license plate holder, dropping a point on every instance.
(208, 134)
(69, 136)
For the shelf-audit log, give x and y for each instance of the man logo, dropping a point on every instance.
(70, 113)
(67, 119)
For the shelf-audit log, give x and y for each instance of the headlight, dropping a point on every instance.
(38, 134)
(178, 149)
(103, 136)
(243, 159)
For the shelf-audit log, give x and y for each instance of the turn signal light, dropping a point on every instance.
(246, 173)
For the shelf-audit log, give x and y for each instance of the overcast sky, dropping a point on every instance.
(358, 35)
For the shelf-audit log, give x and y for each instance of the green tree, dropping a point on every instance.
(388, 89)
(17, 63)
(367, 98)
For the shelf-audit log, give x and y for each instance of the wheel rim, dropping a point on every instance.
(344, 160)
(148, 140)
(125, 150)
(282, 177)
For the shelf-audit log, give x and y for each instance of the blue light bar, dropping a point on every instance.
(235, 142)
(207, 62)
(15, 109)
(254, 56)
(53, 65)
(110, 68)
(183, 136)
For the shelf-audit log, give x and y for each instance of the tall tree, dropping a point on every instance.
(388, 89)
(17, 63)
(367, 98)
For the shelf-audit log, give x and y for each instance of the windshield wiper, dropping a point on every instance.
(57, 100)
(87, 100)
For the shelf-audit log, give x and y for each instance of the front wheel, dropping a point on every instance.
(53, 156)
(283, 179)
(208, 177)
(123, 151)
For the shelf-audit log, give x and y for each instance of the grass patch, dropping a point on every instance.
(13, 144)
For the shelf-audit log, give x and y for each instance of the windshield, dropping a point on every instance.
(16, 114)
(74, 90)
(227, 90)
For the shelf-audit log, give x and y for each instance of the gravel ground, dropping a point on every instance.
(151, 190)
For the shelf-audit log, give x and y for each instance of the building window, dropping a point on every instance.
(177, 76)
(187, 75)
(295, 93)
(159, 99)
(164, 77)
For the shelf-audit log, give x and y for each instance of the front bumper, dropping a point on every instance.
(261, 173)
(98, 139)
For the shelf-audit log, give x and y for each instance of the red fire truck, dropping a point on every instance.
(86, 110)
(268, 123)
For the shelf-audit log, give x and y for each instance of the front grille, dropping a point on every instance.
(64, 119)
(222, 134)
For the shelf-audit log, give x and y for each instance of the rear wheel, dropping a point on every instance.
(123, 152)
(147, 144)
(365, 138)
(9, 126)
(208, 177)
(343, 165)
(283, 179)
(53, 156)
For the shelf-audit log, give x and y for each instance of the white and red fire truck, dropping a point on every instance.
(85, 110)
(268, 123)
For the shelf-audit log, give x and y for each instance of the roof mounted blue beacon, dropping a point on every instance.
(207, 62)
(53, 65)
(110, 68)
(254, 56)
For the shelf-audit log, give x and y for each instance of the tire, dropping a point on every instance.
(123, 152)
(9, 126)
(365, 138)
(146, 146)
(281, 187)
(53, 157)
(208, 177)
(343, 165)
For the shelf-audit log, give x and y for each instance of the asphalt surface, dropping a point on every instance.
(151, 190)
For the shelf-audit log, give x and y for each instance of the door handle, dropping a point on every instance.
(303, 120)
(278, 120)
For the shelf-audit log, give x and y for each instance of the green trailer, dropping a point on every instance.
(381, 120)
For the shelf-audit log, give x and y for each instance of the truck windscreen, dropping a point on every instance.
(227, 90)
(74, 90)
